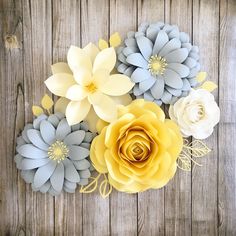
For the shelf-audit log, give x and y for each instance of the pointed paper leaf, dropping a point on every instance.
(115, 40)
(47, 102)
(105, 188)
(201, 76)
(37, 110)
(199, 149)
(209, 86)
(92, 186)
(102, 44)
(184, 162)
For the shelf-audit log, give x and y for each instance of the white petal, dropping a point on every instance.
(57, 177)
(91, 50)
(71, 173)
(77, 58)
(75, 138)
(47, 131)
(105, 59)
(63, 129)
(60, 67)
(28, 164)
(36, 139)
(30, 151)
(76, 93)
(117, 85)
(44, 173)
(77, 111)
(78, 153)
(58, 84)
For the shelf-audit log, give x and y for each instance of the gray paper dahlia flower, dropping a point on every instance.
(53, 156)
(161, 61)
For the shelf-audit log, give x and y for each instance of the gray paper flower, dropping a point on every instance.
(161, 61)
(53, 156)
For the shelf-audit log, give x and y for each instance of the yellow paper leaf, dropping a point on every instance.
(209, 86)
(115, 40)
(92, 186)
(197, 148)
(47, 102)
(201, 76)
(105, 188)
(184, 162)
(102, 44)
(37, 111)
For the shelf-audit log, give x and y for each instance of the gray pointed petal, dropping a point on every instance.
(20, 141)
(57, 177)
(157, 89)
(130, 34)
(75, 127)
(75, 138)
(44, 173)
(137, 91)
(54, 120)
(63, 129)
(37, 121)
(45, 187)
(18, 159)
(60, 115)
(193, 72)
(181, 69)
(122, 58)
(28, 164)
(28, 175)
(158, 102)
(24, 132)
(30, 151)
(187, 45)
(140, 75)
(145, 46)
(53, 192)
(161, 40)
(195, 49)
(137, 59)
(173, 100)
(172, 79)
(178, 55)
(78, 153)
(131, 42)
(129, 50)
(194, 55)
(190, 62)
(85, 145)
(70, 185)
(147, 84)
(88, 137)
(174, 34)
(172, 45)
(84, 174)
(71, 173)
(186, 85)
(152, 33)
(166, 98)
(84, 126)
(82, 165)
(129, 71)
(36, 139)
(122, 67)
(168, 28)
(68, 190)
(148, 96)
(184, 38)
(83, 182)
(174, 92)
(47, 131)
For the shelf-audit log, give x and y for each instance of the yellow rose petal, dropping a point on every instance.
(77, 111)
(91, 50)
(61, 67)
(106, 59)
(59, 83)
(76, 93)
(117, 85)
(61, 105)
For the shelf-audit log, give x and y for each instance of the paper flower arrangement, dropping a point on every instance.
(99, 131)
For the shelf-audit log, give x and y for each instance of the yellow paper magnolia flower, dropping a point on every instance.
(138, 150)
(86, 82)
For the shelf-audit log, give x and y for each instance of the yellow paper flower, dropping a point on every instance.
(138, 150)
(86, 82)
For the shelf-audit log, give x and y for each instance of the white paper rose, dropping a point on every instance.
(196, 114)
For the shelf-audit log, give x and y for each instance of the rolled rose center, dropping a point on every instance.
(195, 112)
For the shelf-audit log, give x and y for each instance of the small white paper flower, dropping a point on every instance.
(196, 114)
(53, 156)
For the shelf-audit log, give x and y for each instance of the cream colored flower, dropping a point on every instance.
(196, 114)
(86, 82)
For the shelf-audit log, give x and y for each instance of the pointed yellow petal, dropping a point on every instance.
(60, 67)
(77, 111)
(92, 120)
(201, 76)
(61, 104)
(106, 109)
(37, 111)
(117, 85)
(91, 50)
(106, 59)
(77, 58)
(58, 84)
(76, 93)
(115, 40)
(102, 44)
(100, 77)
(209, 86)
(47, 102)
(83, 77)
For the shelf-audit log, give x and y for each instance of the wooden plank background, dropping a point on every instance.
(36, 33)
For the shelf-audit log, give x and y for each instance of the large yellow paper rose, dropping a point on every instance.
(139, 149)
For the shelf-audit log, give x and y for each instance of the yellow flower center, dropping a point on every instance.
(157, 65)
(91, 88)
(58, 151)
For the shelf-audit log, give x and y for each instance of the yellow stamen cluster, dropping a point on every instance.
(157, 65)
(91, 88)
(58, 151)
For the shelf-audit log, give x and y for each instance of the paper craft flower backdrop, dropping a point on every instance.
(136, 148)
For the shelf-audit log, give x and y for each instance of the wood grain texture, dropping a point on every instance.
(36, 33)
